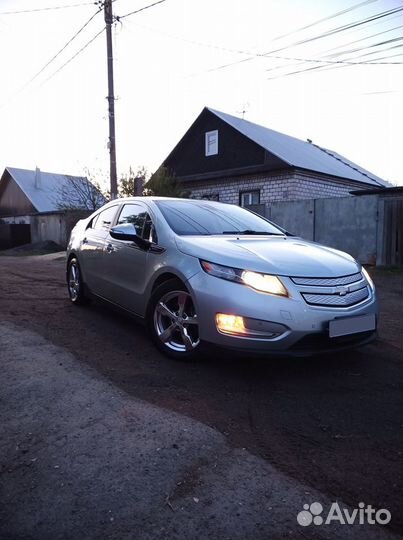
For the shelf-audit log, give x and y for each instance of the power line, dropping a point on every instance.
(364, 54)
(315, 38)
(389, 56)
(322, 60)
(250, 53)
(317, 60)
(365, 38)
(118, 18)
(339, 29)
(370, 46)
(194, 42)
(342, 28)
(74, 56)
(323, 55)
(66, 45)
(35, 10)
(344, 63)
(381, 51)
(32, 79)
(319, 21)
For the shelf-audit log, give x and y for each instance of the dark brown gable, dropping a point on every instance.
(235, 151)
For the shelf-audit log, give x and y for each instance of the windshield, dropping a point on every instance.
(201, 217)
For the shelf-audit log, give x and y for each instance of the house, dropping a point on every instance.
(41, 200)
(226, 158)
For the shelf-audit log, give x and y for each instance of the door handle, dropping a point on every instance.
(110, 248)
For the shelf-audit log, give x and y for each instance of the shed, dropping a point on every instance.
(41, 199)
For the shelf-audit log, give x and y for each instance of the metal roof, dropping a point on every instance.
(45, 193)
(301, 154)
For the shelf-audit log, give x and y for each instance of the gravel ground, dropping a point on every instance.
(102, 437)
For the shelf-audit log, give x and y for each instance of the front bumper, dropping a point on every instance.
(304, 328)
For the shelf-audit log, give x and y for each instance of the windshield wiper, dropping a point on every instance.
(249, 231)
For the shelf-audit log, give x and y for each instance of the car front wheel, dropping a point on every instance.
(75, 285)
(173, 321)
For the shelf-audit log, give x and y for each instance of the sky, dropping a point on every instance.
(175, 58)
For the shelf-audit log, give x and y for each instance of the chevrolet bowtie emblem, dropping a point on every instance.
(343, 290)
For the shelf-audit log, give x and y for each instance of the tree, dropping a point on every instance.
(132, 183)
(164, 183)
(80, 193)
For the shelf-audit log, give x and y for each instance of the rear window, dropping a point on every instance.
(206, 218)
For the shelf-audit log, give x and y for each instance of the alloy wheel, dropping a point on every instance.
(74, 281)
(175, 321)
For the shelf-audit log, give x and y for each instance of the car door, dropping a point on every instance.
(92, 247)
(126, 265)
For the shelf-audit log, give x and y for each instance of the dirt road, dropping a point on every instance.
(330, 427)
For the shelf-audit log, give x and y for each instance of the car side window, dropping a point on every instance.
(91, 224)
(149, 232)
(105, 218)
(138, 216)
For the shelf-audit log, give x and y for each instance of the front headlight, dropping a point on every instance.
(260, 282)
(264, 283)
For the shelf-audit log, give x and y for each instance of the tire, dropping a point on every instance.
(75, 284)
(172, 321)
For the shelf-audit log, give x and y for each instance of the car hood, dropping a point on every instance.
(287, 256)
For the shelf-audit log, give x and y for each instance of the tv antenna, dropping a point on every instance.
(245, 108)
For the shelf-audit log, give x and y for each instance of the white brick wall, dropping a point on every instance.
(275, 187)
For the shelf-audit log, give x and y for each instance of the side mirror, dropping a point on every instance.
(127, 232)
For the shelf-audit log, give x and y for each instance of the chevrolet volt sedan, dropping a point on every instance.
(202, 272)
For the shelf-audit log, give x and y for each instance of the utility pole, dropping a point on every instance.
(111, 99)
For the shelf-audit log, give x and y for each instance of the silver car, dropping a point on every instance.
(202, 272)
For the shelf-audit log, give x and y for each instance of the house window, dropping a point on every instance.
(211, 197)
(211, 143)
(246, 198)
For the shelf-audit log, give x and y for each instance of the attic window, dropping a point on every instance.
(211, 143)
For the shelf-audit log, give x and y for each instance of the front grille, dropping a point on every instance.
(333, 292)
(327, 282)
(335, 300)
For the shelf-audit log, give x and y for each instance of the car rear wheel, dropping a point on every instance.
(75, 285)
(173, 321)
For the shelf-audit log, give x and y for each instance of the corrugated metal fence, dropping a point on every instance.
(392, 238)
(369, 227)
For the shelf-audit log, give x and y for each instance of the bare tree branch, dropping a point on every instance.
(78, 193)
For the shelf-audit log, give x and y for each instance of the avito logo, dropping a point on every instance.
(364, 514)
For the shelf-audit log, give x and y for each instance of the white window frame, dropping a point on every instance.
(250, 194)
(211, 147)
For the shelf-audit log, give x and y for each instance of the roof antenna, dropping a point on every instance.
(245, 107)
(309, 140)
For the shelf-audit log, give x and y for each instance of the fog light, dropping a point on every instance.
(230, 324)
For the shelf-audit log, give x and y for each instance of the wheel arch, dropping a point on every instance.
(71, 255)
(164, 277)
